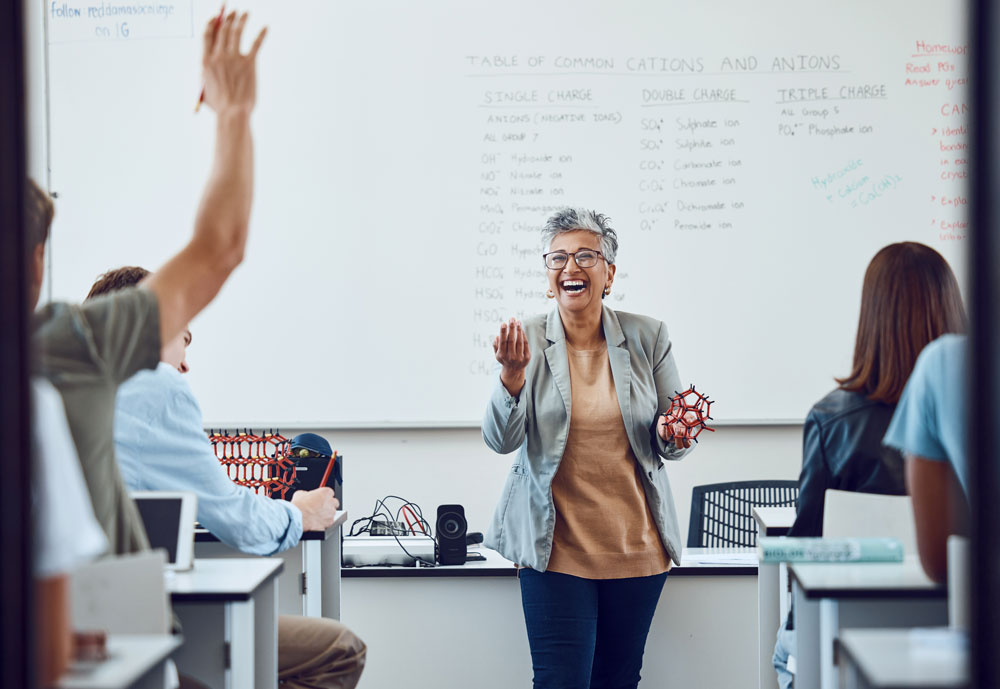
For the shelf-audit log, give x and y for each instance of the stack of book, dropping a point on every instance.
(785, 549)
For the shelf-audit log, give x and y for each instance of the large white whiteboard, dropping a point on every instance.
(753, 157)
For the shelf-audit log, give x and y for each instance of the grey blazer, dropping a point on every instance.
(536, 424)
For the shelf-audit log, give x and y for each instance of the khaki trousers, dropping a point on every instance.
(318, 653)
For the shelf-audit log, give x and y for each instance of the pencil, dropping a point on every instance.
(329, 466)
(218, 23)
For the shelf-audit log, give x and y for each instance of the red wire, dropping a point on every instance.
(407, 508)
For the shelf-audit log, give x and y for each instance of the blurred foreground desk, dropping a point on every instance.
(936, 658)
(310, 581)
(228, 609)
(135, 661)
(830, 597)
(704, 633)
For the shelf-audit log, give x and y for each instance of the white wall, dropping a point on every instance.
(433, 467)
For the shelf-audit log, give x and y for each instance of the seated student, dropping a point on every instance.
(161, 444)
(909, 297)
(66, 532)
(929, 429)
(86, 351)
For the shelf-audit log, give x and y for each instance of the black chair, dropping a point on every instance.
(721, 513)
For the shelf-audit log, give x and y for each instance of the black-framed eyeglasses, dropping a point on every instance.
(584, 258)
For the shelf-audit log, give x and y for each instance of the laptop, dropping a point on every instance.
(169, 518)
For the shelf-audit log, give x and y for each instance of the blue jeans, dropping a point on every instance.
(587, 633)
(784, 646)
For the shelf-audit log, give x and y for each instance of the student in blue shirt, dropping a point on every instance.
(929, 428)
(161, 444)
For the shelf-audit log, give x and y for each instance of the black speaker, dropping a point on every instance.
(451, 529)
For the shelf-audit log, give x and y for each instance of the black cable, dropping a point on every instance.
(392, 520)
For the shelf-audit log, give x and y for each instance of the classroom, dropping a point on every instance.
(314, 395)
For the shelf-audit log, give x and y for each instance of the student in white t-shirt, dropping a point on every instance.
(66, 532)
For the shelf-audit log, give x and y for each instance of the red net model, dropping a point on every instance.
(692, 410)
(262, 463)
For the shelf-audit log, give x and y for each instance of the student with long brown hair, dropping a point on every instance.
(910, 297)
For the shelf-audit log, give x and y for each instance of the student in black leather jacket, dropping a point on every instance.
(842, 449)
(910, 297)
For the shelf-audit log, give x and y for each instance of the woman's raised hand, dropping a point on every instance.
(511, 350)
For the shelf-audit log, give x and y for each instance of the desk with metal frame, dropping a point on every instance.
(135, 661)
(310, 581)
(936, 658)
(833, 596)
(228, 610)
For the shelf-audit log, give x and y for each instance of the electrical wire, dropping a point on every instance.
(381, 509)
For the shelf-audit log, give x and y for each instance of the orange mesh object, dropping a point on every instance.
(262, 463)
(693, 414)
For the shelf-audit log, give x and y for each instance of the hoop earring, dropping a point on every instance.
(550, 294)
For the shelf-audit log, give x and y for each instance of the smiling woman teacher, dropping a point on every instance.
(587, 509)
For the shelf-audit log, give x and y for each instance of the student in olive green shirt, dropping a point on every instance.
(87, 350)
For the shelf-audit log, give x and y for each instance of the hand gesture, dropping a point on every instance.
(230, 76)
(674, 432)
(511, 350)
(318, 507)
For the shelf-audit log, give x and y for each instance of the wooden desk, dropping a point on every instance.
(310, 581)
(772, 585)
(473, 611)
(896, 658)
(228, 609)
(831, 597)
(137, 661)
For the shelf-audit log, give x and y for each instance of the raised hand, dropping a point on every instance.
(230, 76)
(511, 349)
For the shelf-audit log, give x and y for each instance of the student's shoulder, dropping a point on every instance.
(841, 405)
(946, 347)
(162, 390)
(120, 304)
(945, 357)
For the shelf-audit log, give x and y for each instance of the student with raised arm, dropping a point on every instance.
(87, 350)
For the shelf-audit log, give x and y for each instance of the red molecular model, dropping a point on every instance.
(692, 414)
(262, 463)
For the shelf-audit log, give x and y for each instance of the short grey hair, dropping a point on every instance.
(573, 219)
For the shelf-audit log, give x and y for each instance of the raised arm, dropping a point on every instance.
(192, 278)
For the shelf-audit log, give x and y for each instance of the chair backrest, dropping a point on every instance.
(721, 513)
(869, 515)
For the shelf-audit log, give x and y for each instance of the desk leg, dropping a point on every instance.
(330, 554)
(265, 617)
(202, 656)
(312, 569)
(807, 616)
(767, 622)
(828, 626)
(240, 639)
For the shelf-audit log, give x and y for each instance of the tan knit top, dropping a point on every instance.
(604, 528)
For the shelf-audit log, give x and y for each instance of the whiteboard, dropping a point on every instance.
(752, 156)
